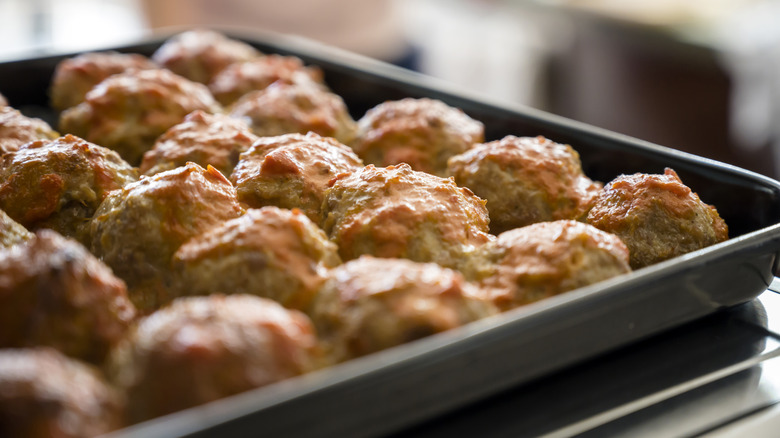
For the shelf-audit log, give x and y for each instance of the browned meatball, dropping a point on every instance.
(44, 394)
(370, 304)
(240, 78)
(292, 171)
(205, 139)
(128, 111)
(200, 54)
(53, 292)
(396, 212)
(59, 184)
(270, 252)
(12, 232)
(423, 133)
(201, 349)
(17, 129)
(525, 180)
(137, 229)
(284, 108)
(74, 77)
(528, 264)
(657, 216)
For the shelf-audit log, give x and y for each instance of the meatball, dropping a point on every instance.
(74, 77)
(284, 108)
(17, 129)
(201, 349)
(657, 216)
(537, 261)
(60, 183)
(292, 171)
(45, 394)
(53, 292)
(3, 101)
(525, 180)
(137, 229)
(396, 212)
(240, 78)
(128, 111)
(200, 54)
(423, 133)
(270, 252)
(205, 139)
(12, 232)
(370, 304)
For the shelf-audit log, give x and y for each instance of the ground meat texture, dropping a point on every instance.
(423, 133)
(525, 180)
(128, 111)
(292, 171)
(201, 349)
(53, 292)
(202, 138)
(60, 183)
(537, 261)
(396, 212)
(74, 77)
(17, 129)
(200, 54)
(370, 304)
(12, 232)
(137, 229)
(284, 108)
(657, 216)
(44, 394)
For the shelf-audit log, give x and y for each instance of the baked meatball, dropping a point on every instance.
(200, 54)
(59, 184)
(137, 229)
(657, 216)
(44, 394)
(525, 180)
(53, 292)
(423, 133)
(17, 129)
(3, 101)
(12, 232)
(240, 78)
(370, 304)
(537, 261)
(74, 77)
(201, 349)
(292, 171)
(128, 111)
(284, 108)
(270, 252)
(205, 139)
(396, 212)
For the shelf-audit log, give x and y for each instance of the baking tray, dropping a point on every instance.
(396, 388)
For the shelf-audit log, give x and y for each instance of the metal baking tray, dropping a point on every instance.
(397, 388)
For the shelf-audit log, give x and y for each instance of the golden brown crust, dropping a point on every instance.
(423, 133)
(53, 292)
(201, 349)
(17, 129)
(202, 138)
(292, 171)
(657, 216)
(12, 232)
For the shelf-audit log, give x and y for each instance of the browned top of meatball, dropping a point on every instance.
(53, 292)
(200, 54)
(205, 139)
(17, 129)
(200, 349)
(423, 133)
(11, 232)
(75, 76)
(292, 171)
(284, 108)
(240, 78)
(128, 111)
(45, 394)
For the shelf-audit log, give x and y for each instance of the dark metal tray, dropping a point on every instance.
(402, 386)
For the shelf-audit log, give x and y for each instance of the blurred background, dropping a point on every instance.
(701, 76)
